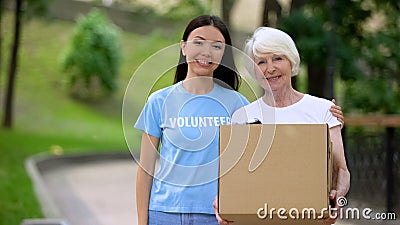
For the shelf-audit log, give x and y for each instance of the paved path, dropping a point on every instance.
(102, 192)
(95, 193)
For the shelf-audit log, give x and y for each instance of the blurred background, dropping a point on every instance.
(65, 64)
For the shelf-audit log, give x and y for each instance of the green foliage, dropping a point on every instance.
(94, 56)
(379, 90)
(37, 8)
(372, 95)
(186, 9)
(347, 55)
(311, 38)
(367, 60)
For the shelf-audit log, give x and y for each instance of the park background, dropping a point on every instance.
(350, 51)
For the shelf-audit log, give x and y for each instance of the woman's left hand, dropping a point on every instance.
(333, 215)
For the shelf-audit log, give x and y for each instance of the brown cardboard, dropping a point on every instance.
(295, 173)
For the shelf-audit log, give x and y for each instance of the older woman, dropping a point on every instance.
(277, 60)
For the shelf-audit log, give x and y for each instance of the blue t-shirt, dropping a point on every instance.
(187, 125)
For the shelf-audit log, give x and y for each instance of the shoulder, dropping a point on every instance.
(249, 107)
(161, 94)
(321, 106)
(313, 100)
(247, 113)
(254, 105)
(233, 93)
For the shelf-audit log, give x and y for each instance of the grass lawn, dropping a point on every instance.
(45, 116)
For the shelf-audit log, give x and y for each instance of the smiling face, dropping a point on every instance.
(275, 69)
(204, 50)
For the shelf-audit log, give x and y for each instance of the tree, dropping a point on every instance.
(339, 40)
(7, 120)
(227, 6)
(93, 57)
(378, 89)
(186, 9)
(1, 35)
(271, 8)
(328, 40)
(35, 7)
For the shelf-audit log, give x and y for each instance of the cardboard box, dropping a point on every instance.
(274, 169)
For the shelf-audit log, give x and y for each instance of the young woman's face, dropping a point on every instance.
(275, 69)
(203, 49)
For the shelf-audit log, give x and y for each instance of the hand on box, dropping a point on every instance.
(220, 220)
(333, 196)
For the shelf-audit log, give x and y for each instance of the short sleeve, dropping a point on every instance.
(149, 120)
(240, 116)
(244, 100)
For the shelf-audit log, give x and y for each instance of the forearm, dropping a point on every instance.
(143, 188)
(341, 175)
(144, 178)
(342, 181)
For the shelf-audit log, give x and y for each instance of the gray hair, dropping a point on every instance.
(270, 40)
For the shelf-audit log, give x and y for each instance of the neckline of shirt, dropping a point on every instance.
(183, 89)
(283, 108)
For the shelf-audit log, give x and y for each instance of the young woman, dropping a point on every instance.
(185, 118)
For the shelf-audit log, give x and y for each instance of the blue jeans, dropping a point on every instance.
(164, 218)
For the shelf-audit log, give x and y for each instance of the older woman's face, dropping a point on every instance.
(275, 69)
